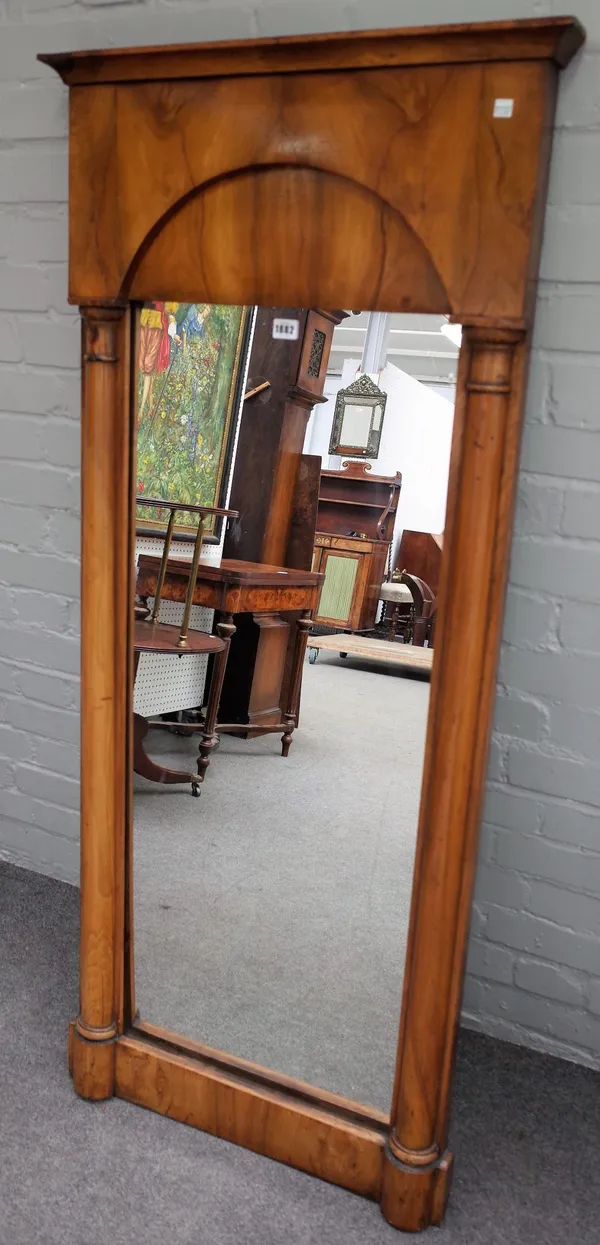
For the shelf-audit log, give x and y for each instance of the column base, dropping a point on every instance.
(413, 1198)
(92, 1064)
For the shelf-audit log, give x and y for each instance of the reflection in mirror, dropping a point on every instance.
(356, 424)
(357, 419)
(271, 914)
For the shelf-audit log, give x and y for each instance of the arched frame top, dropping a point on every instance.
(239, 246)
(391, 170)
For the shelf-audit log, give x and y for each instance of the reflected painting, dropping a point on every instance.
(190, 364)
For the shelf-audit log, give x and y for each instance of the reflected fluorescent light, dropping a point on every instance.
(453, 331)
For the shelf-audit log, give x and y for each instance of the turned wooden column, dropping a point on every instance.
(417, 1164)
(105, 683)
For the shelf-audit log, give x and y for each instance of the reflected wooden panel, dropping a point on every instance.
(420, 553)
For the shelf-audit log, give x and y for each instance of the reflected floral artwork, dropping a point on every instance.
(189, 367)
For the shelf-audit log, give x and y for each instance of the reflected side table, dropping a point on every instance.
(256, 595)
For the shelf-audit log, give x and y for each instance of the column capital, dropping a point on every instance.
(412, 1158)
(492, 336)
(100, 327)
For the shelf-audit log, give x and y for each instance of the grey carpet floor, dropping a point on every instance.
(271, 914)
(526, 1134)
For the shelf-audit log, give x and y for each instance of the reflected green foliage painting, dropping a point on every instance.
(188, 365)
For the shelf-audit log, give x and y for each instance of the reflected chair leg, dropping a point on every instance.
(422, 625)
(290, 716)
(390, 618)
(410, 627)
(394, 622)
(225, 629)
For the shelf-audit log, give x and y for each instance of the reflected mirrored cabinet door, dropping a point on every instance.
(282, 673)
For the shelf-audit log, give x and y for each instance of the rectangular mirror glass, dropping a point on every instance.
(271, 913)
(356, 425)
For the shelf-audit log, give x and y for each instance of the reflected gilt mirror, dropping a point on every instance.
(291, 605)
(358, 419)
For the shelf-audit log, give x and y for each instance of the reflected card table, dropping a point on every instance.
(249, 596)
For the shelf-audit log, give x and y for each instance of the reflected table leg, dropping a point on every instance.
(290, 717)
(210, 739)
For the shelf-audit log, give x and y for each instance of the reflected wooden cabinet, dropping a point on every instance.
(353, 570)
(355, 525)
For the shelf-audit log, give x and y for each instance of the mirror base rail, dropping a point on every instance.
(332, 1139)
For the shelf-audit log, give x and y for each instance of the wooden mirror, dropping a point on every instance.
(400, 171)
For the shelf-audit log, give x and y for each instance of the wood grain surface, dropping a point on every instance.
(248, 215)
(480, 499)
(106, 678)
(329, 1142)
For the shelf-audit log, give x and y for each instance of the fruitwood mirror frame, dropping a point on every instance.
(248, 173)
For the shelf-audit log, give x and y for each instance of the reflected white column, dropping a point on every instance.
(375, 347)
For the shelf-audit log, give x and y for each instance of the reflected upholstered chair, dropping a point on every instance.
(425, 609)
(152, 636)
(398, 602)
(411, 607)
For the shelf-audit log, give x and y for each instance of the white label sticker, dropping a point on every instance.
(503, 107)
(290, 329)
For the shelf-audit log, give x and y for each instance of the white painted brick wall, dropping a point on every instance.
(534, 959)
